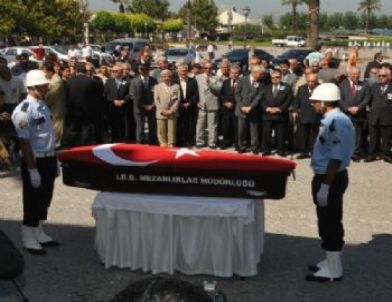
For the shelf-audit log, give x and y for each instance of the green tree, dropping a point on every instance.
(350, 21)
(103, 21)
(294, 5)
(173, 25)
(368, 7)
(268, 20)
(204, 15)
(158, 9)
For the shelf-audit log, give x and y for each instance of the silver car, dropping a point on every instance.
(10, 53)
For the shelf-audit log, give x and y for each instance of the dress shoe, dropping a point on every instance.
(282, 153)
(303, 156)
(267, 153)
(30, 242)
(370, 158)
(356, 158)
(387, 159)
(330, 271)
(241, 150)
(255, 152)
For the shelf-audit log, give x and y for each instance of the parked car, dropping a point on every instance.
(173, 55)
(240, 56)
(60, 51)
(100, 55)
(135, 46)
(290, 41)
(300, 54)
(10, 53)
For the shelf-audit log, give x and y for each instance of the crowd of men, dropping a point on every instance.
(263, 109)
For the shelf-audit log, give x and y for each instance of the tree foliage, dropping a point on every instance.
(45, 18)
(173, 25)
(204, 15)
(157, 9)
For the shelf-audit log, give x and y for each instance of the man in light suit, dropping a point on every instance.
(209, 90)
(355, 98)
(141, 93)
(380, 116)
(248, 93)
(117, 96)
(276, 101)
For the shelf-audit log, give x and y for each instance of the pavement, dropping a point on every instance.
(73, 272)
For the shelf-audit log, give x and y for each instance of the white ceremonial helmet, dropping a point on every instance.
(326, 92)
(36, 77)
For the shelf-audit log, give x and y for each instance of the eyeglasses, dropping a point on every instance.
(382, 75)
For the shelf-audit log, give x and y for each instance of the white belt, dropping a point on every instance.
(44, 154)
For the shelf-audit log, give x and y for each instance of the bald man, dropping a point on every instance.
(355, 98)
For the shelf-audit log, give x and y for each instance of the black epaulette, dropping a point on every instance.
(332, 127)
(25, 107)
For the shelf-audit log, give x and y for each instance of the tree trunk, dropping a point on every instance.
(367, 21)
(313, 30)
(295, 22)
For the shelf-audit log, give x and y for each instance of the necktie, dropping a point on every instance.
(383, 87)
(145, 82)
(275, 91)
(233, 87)
(353, 89)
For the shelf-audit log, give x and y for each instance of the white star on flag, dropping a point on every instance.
(184, 151)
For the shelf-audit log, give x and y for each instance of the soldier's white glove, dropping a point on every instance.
(322, 195)
(35, 178)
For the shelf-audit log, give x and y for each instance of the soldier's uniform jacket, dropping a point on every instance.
(336, 140)
(33, 121)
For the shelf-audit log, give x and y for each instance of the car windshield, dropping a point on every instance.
(176, 52)
(60, 49)
(139, 46)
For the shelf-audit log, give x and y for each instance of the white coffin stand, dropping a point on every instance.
(192, 235)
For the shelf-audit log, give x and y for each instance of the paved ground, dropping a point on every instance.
(73, 273)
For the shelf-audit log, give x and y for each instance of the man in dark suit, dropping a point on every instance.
(308, 119)
(145, 59)
(378, 57)
(141, 93)
(380, 116)
(248, 93)
(354, 100)
(228, 104)
(84, 107)
(117, 96)
(186, 123)
(275, 103)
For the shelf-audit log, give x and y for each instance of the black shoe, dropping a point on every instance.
(40, 252)
(313, 278)
(303, 156)
(255, 152)
(387, 159)
(370, 158)
(356, 158)
(212, 147)
(52, 243)
(313, 268)
(241, 150)
(267, 153)
(282, 153)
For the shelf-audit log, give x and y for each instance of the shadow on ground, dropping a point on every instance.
(73, 272)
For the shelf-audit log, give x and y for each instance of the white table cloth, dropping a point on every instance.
(193, 235)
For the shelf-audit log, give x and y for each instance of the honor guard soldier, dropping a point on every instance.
(33, 123)
(331, 156)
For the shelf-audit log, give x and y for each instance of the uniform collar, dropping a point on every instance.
(331, 112)
(30, 98)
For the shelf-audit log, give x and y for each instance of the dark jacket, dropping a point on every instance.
(283, 101)
(369, 67)
(227, 93)
(192, 93)
(360, 99)
(140, 95)
(380, 105)
(303, 106)
(247, 95)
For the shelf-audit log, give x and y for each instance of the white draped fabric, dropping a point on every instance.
(193, 235)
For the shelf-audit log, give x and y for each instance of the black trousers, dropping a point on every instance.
(36, 201)
(306, 136)
(140, 120)
(330, 224)
(119, 125)
(229, 129)
(360, 137)
(280, 130)
(186, 127)
(375, 133)
(80, 133)
(246, 125)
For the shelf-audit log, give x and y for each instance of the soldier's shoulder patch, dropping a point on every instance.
(23, 124)
(25, 107)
